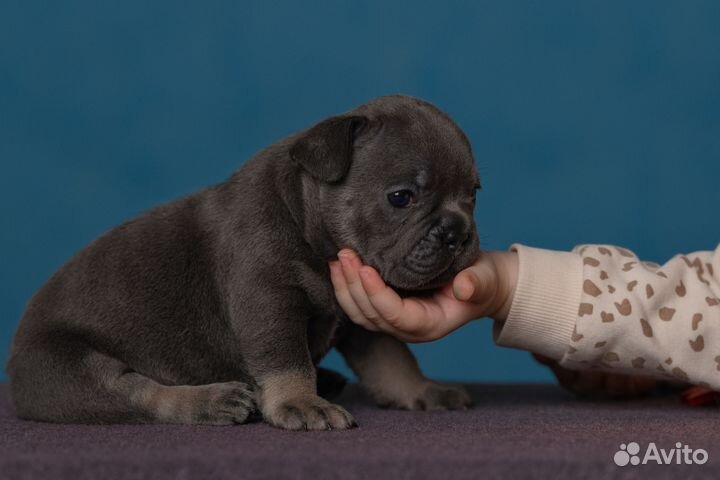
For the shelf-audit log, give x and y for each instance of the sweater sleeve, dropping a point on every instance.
(601, 307)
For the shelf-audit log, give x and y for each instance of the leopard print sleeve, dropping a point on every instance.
(638, 317)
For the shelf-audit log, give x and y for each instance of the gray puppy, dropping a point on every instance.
(219, 305)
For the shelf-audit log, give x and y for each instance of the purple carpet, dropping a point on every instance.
(514, 431)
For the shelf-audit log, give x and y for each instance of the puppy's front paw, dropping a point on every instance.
(428, 396)
(438, 396)
(309, 412)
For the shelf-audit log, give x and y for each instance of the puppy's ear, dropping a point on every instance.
(325, 150)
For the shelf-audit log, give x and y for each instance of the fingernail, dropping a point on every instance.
(457, 292)
(365, 274)
(344, 254)
(345, 262)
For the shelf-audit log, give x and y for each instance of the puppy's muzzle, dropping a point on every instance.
(452, 232)
(440, 246)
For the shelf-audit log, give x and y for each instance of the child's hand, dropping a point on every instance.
(593, 383)
(482, 290)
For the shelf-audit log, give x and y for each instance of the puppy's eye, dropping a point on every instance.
(400, 199)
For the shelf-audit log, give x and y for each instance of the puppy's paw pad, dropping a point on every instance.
(310, 413)
(437, 396)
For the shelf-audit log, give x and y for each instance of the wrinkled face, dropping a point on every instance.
(406, 203)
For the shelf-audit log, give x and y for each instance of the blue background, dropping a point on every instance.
(591, 121)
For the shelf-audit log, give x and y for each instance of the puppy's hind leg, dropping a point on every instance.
(87, 386)
(224, 403)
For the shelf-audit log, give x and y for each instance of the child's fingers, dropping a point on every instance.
(384, 299)
(397, 316)
(350, 268)
(342, 293)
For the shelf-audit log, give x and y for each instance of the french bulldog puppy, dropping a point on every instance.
(219, 305)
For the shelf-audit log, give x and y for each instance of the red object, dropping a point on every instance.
(700, 396)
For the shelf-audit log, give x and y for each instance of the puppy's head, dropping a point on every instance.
(395, 180)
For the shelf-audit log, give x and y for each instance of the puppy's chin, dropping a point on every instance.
(407, 280)
(417, 283)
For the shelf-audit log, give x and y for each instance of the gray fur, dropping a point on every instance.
(219, 304)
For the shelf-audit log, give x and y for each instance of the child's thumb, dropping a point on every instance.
(472, 286)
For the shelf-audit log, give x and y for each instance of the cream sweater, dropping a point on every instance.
(601, 307)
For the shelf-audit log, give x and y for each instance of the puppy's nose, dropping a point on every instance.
(452, 231)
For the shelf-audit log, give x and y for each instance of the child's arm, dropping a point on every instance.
(597, 307)
(600, 307)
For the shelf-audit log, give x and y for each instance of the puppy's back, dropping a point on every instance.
(143, 293)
